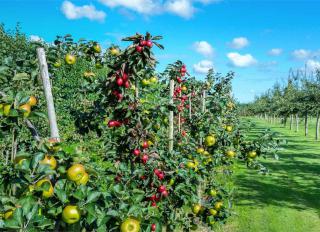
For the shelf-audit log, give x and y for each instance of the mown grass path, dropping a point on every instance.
(288, 200)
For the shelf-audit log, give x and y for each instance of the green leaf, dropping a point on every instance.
(93, 196)
(3, 69)
(113, 213)
(21, 76)
(59, 190)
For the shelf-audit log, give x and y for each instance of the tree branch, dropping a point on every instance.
(33, 130)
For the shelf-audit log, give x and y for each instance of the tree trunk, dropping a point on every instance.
(285, 121)
(306, 124)
(297, 122)
(317, 126)
(274, 119)
(291, 121)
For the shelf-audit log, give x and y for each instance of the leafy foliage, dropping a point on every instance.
(113, 166)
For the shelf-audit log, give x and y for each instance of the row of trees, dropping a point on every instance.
(298, 99)
(139, 150)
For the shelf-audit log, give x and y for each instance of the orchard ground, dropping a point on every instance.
(288, 198)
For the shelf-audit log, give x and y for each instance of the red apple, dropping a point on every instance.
(127, 84)
(160, 175)
(144, 158)
(139, 49)
(149, 43)
(143, 43)
(114, 123)
(119, 96)
(119, 81)
(125, 76)
(165, 193)
(153, 227)
(162, 188)
(136, 152)
(145, 145)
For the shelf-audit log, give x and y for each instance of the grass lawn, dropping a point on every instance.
(287, 200)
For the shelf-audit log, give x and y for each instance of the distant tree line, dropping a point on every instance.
(298, 99)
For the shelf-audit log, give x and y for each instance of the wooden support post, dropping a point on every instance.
(203, 101)
(203, 109)
(137, 90)
(179, 114)
(54, 132)
(171, 116)
(190, 108)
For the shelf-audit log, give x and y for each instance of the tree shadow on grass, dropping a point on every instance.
(297, 168)
(306, 155)
(294, 181)
(282, 193)
(292, 184)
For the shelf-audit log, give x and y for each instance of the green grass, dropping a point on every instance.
(288, 199)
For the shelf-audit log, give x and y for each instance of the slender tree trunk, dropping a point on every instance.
(317, 126)
(306, 124)
(297, 122)
(285, 121)
(291, 121)
(274, 119)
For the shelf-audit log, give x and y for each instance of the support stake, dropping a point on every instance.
(171, 117)
(54, 132)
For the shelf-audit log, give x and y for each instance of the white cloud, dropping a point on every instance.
(313, 65)
(301, 54)
(140, 6)
(35, 38)
(183, 8)
(275, 52)
(208, 1)
(238, 43)
(203, 66)
(72, 11)
(204, 48)
(242, 61)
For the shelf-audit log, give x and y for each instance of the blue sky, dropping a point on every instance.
(259, 40)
